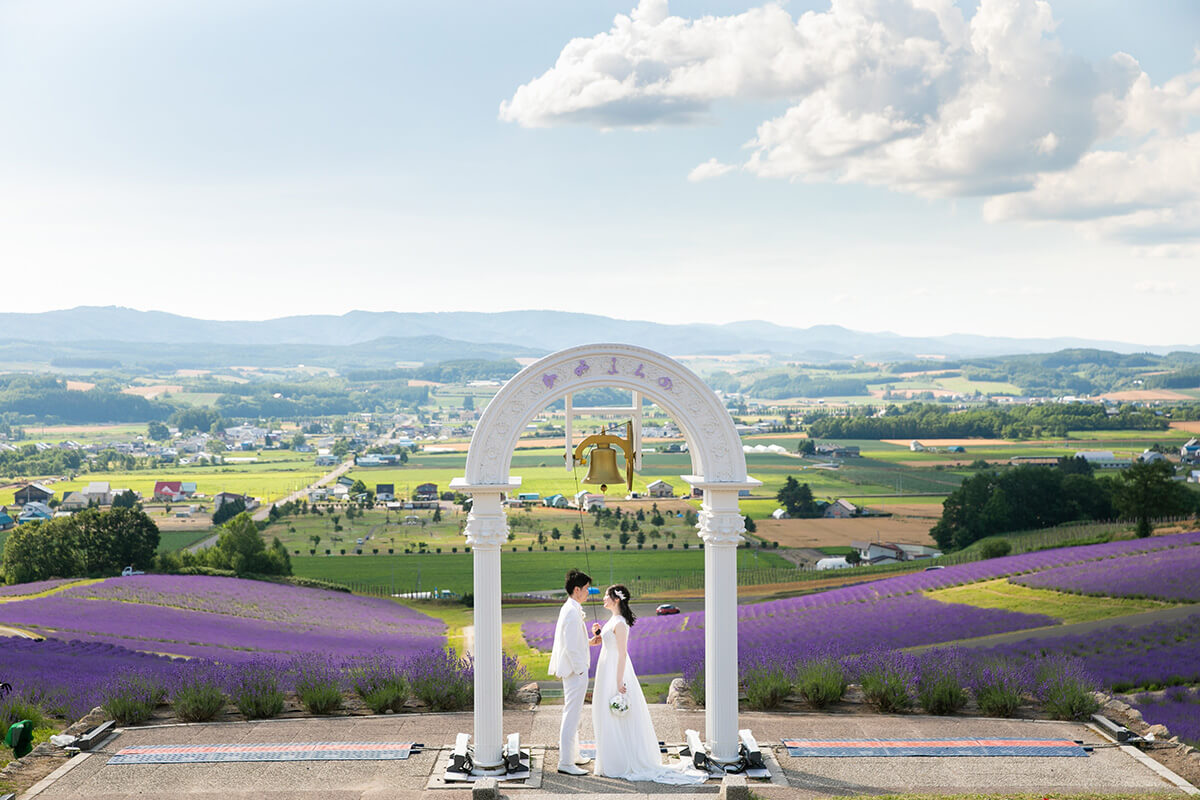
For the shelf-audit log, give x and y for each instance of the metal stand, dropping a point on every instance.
(515, 766)
(749, 761)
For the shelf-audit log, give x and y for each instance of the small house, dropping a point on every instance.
(34, 512)
(1103, 459)
(74, 501)
(956, 448)
(221, 498)
(1151, 457)
(326, 461)
(169, 491)
(660, 488)
(1194, 476)
(916, 446)
(1190, 451)
(6, 521)
(385, 492)
(528, 497)
(840, 509)
(587, 501)
(555, 501)
(32, 493)
(341, 492)
(99, 492)
(318, 494)
(426, 491)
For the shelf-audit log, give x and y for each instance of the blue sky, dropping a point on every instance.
(882, 164)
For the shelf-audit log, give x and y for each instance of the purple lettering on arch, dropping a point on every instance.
(665, 382)
(613, 369)
(582, 368)
(638, 372)
(549, 379)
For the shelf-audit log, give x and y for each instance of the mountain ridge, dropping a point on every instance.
(529, 330)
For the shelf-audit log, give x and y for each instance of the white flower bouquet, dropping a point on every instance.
(618, 705)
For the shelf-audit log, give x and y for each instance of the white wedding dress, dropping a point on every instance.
(627, 747)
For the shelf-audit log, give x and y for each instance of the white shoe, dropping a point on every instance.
(571, 769)
(579, 762)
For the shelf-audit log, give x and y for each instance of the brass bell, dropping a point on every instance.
(602, 467)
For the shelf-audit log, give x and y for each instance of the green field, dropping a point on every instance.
(1067, 608)
(521, 571)
(170, 541)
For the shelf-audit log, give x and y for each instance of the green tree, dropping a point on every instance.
(806, 447)
(358, 488)
(158, 432)
(340, 448)
(240, 548)
(111, 540)
(125, 499)
(298, 440)
(555, 534)
(1145, 490)
(437, 514)
(38, 551)
(228, 510)
(751, 527)
(796, 498)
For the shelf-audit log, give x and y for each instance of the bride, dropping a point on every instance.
(626, 746)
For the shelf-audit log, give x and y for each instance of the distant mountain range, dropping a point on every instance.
(436, 336)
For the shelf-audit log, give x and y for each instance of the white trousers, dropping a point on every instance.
(574, 690)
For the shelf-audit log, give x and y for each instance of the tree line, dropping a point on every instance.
(1032, 497)
(929, 420)
(46, 399)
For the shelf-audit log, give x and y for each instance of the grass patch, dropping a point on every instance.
(170, 541)
(521, 571)
(1068, 608)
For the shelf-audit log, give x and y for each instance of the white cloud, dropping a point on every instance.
(907, 94)
(1156, 287)
(709, 169)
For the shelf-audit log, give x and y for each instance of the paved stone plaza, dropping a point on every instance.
(1107, 770)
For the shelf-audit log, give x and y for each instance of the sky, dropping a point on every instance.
(996, 167)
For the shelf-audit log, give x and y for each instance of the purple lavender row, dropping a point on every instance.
(1163, 574)
(147, 627)
(1178, 708)
(255, 599)
(893, 622)
(1125, 658)
(32, 588)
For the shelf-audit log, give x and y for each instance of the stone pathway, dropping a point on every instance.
(1108, 769)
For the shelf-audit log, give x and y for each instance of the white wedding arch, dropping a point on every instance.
(718, 469)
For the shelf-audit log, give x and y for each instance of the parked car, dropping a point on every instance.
(931, 569)
(125, 573)
(665, 609)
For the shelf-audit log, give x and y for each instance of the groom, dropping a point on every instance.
(569, 660)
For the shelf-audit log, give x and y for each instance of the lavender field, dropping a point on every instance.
(1161, 575)
(1178, 708)
(890, 612)
(1122, 658)
(224, 619)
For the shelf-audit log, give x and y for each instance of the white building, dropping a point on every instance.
(1103, 459)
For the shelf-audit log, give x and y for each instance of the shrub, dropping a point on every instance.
(995, 548)
(131, 699)
(939, 682)
(379, 681)
(1066, 689)
(515, 675)
(887, 678)
(255, 689)
(441, 679)
(821, 681)
(768, 683)
(693, 675)
(999, 686)
(17, 707)
(197, 694)
(318, 683)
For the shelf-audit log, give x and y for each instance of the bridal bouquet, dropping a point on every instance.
(618, 705)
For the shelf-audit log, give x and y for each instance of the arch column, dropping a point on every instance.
(721, 527)
(486, 533)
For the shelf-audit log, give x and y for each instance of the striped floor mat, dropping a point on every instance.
(907, 748)
(291, 751)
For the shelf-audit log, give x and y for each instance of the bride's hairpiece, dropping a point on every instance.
(620, 595)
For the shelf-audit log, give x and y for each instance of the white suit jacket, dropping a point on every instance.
(569, 655)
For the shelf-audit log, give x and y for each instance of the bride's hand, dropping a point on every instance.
(623, 688)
